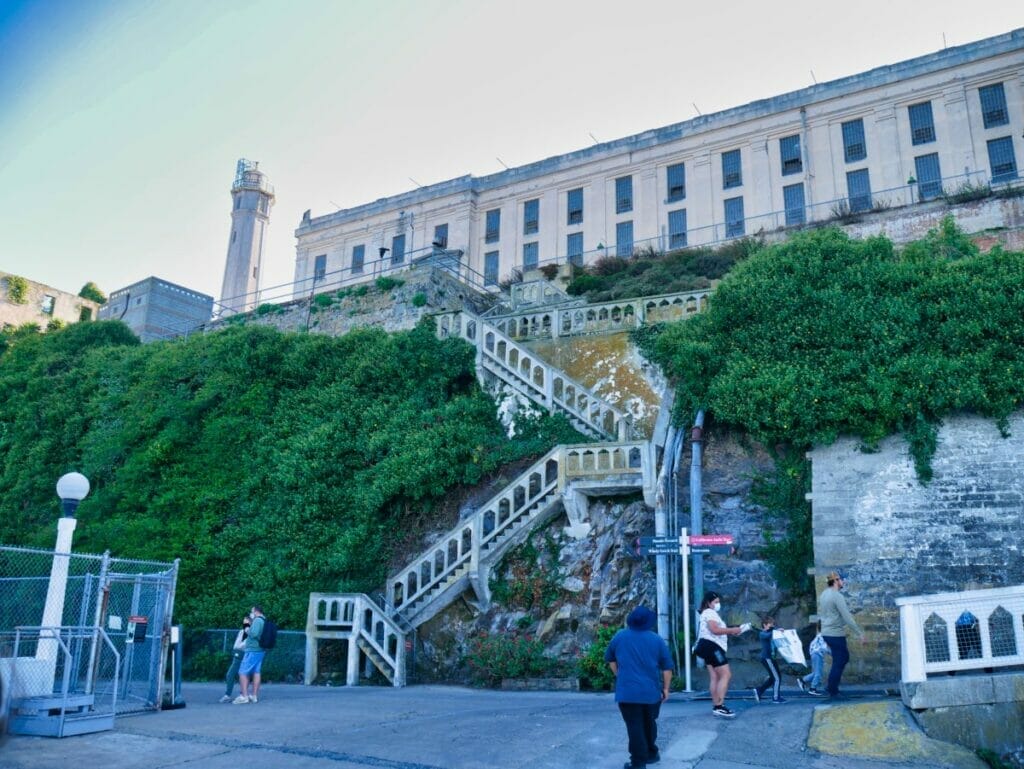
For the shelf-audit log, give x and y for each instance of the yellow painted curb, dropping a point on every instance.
(883, 730)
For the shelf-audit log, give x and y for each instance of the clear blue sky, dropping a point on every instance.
(121, 120)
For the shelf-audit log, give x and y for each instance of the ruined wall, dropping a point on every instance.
(895, 537)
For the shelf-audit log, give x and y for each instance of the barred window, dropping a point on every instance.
(319, 267)
(624, 238)
(858, 190)
(1002, 160)
(676, 182)
(735, 224)
(793, 197)
(398, 249)
(574, 248)
(531, 216)
(922, 126)
(530, 256)
(358, 257)
(574, 206)
(929, 176)
(854, 147)
(789, 150)
(623, 194)
(491, 268)
(677, 228)
(993, 105)
(440, 241)
(732, 173)
(492, 227)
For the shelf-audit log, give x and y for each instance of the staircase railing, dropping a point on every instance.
(547, 386)
(575, 318)
(355, 616)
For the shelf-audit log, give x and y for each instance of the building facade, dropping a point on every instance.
(158, 309)
(25, 301)
(252, 197)
(893, 136)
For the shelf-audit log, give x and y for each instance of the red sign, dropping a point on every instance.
(137, 619)
(711, 539)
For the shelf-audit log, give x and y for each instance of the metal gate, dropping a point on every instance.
(132, 601)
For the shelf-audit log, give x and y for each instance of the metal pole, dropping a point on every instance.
(696, 492)
(684, 553)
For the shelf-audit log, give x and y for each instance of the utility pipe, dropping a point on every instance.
(696, 517)
(661, 530)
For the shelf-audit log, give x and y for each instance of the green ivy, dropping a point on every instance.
(273, 464)
(17, 289)
(593, 671)
(387, 283)
(419, 299)
(91, 291)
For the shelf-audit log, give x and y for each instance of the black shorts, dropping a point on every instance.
(712, 654)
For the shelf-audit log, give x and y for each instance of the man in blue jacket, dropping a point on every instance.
(642, 666)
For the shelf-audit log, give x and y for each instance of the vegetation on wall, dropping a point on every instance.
(272, 464)
(651, 272)
(17, 289)
(529, 578)
(91, 291)
(823, 336)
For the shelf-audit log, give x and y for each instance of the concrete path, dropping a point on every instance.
(438, 727)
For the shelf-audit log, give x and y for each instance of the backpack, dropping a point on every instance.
(268, 638)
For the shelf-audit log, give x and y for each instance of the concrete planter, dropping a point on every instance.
(540, 684)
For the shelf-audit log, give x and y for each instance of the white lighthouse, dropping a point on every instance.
(252, 196)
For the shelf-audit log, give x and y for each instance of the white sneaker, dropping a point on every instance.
(253, 699)
(241, 699)
(800, 684)
(226, 698)
(757, 695)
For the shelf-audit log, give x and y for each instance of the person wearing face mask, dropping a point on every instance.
(835, 617)
(712, 644)
(237, 652)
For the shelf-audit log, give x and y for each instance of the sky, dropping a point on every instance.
(121, 120)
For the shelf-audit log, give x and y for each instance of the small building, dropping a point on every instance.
(25, 301)
(158, 309)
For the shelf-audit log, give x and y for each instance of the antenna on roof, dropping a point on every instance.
(501, 161)
(415, 182)
(696, 108)
(813, 77)
(334, 204)
(944, 40)
(593, 137)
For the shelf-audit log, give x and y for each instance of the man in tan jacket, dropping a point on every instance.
(835, 617)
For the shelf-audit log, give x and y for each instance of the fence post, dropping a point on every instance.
(912, 650)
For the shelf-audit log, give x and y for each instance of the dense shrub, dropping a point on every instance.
(272, 464)
(594, 672)
(493, 657)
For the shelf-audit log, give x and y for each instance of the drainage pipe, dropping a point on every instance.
(696, 518)
(661, 529)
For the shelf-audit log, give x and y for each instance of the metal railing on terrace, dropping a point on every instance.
(948, 632)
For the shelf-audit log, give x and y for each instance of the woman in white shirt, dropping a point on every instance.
(712, 644)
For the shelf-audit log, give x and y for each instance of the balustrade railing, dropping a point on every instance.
(600, 317)
(357, 615)
(534, 378)
(948, 632)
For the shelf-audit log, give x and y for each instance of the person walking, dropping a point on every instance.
(252, 660)
(818, 649)
(642, 665)
(835, 617)
(774, 680)
(712, 645)
(237, 652)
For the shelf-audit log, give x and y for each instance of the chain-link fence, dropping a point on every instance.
(131, 600)
(207, 655)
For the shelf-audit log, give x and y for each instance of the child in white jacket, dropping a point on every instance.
(818, 651)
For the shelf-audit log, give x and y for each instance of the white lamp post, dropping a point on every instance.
(72, 488)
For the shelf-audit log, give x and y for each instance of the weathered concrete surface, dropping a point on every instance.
(434, 727)
(893, 536)
(882, 730)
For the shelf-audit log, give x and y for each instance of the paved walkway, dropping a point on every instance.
(440, 727)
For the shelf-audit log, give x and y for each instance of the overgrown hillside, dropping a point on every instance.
(823, 336)
(272, 464)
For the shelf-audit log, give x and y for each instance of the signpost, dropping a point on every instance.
(697, 544)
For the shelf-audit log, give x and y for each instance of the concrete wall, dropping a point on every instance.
(66, 307)
(158, 309)
(948, 79)
(874, 521)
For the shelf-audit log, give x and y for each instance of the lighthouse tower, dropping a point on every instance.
(252, 196)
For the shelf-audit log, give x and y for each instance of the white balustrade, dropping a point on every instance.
(961, 631)
(358, 618)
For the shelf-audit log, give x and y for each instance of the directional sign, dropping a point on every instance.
(712, 550)
(659, 549)
(648, 541)
(710, 539)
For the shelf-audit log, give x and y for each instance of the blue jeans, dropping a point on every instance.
(840, 656)
(817, 665)
(232, 677)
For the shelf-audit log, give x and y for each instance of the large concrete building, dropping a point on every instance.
(890, 137)
(158, 309)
